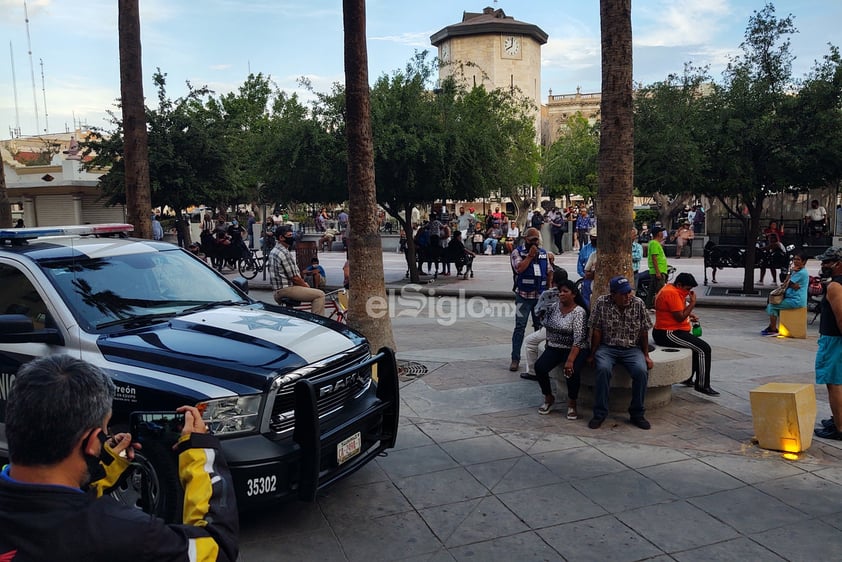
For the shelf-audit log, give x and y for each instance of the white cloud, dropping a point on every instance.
(572, 53)
(14, 8)
(680, 22)
(418, 39)
(273, 8)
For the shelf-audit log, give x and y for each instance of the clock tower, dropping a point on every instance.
(503, 52)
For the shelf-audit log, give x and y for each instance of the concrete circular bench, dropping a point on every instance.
(671, 365)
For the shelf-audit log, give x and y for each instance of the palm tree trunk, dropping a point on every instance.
(136, 149)
(365, 254)
(615, 201)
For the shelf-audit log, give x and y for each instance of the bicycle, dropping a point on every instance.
(642, 289)
(251, 265)
(336, 304)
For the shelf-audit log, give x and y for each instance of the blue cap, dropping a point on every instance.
(620, 285)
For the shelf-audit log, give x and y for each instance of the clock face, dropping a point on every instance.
(445, 52)
(511, 45)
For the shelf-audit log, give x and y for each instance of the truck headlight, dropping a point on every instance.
(236, 414)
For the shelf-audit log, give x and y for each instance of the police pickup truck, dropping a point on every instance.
(298, 401)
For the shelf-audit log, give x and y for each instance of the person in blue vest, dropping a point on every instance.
(530, 264)
(582, 269)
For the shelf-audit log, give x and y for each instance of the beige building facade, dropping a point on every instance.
(559, 108)
(495, 50)
(47, 186)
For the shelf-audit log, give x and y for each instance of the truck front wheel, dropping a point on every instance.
(153, 484)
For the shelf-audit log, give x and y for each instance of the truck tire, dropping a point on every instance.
(158, 469)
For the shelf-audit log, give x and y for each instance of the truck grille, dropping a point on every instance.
(332, 397)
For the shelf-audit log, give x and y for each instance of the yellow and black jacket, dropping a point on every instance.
(43, 522)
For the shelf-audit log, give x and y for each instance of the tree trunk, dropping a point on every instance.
(135, 139)
(5, 204)
(616, 147)
(365, 254)
(752, 234)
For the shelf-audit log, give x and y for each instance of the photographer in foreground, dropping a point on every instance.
(52, 502)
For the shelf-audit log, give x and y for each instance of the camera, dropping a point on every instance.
(156, 426)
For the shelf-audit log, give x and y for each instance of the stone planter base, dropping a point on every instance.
(671, 365)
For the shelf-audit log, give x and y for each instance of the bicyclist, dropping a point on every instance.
(286, 278)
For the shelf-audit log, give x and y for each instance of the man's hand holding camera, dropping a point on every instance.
(120, 442)
(193, 422)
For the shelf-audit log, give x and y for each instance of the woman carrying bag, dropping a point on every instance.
(794, 292)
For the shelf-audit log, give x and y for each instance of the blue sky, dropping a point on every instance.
(217, 42)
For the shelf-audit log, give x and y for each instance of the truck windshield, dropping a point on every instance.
(103, 292)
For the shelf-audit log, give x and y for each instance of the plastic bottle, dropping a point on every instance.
(696, 329)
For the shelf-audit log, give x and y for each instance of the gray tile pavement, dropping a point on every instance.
(479, 475)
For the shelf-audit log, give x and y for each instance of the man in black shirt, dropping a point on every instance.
(62, 462)
(829, 352)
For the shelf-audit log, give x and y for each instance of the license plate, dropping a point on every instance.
(348, 448)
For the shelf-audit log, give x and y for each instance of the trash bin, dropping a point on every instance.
(305, 251)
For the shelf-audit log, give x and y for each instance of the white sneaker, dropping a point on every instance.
(760, 282)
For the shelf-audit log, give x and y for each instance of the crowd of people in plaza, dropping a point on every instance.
(575, 331)
(614, 329)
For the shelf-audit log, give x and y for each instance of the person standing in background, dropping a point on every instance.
(636, 255)
(829, 352)
(657, 262)
(531, 266)
(157, 229)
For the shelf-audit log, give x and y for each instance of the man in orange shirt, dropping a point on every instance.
(674, 306)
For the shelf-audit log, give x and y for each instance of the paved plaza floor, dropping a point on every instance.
(478, 475)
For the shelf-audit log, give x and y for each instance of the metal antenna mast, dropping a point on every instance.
(44, 92)
(32, 70)
(15, 90)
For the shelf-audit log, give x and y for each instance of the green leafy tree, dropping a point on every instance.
(748, 150)
(188, 161)
(570, 163)
(448, 142)
(813, 120)
(239, 120)
(410, 143)
(670, 137)
(301, 156)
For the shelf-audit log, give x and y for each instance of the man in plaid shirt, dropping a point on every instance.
(286, 278)
(620, 325)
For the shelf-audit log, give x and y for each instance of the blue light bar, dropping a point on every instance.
(73, 230)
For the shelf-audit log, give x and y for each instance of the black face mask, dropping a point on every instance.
(827, 271)
(95, 469)
(290, 241)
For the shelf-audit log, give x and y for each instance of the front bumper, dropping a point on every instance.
(265, 470)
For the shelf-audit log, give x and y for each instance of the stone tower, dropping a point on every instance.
(503, 52)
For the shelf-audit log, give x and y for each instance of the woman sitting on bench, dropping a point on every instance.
(795, 295)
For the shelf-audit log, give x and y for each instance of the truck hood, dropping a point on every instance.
(239, 348)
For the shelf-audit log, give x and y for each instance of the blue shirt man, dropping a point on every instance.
(587, 277)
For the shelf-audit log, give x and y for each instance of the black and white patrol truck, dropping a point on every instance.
(298, 401)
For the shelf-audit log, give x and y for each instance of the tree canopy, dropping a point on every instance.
(570, 163)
